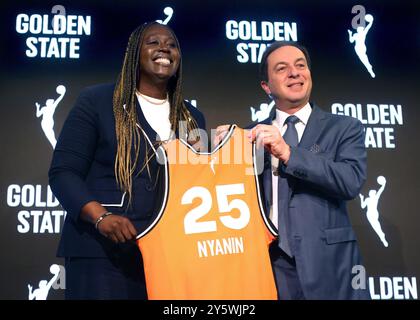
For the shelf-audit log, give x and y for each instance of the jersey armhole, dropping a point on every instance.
(257, 160)
(162, 155)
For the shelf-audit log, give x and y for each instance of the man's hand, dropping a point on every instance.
(221, 132)
(118, 229)
(269, 136)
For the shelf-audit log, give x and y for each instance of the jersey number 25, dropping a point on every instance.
(191, 223)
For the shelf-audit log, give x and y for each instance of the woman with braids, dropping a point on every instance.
(104, 170)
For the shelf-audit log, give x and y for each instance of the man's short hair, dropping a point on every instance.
(274, 46)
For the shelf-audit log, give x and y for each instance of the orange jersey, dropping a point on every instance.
(210, 239)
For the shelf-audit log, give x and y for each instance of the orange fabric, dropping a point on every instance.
(203, 246)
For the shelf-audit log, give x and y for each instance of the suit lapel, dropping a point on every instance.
(313, 128)
(144, 124)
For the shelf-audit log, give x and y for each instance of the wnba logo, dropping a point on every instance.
(57, 281)
(47, 114)
(263, 112)
(371, 203)
(168, 11)
(359, 37)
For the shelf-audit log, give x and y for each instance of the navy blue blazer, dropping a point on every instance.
(326, 169)
(82, 170)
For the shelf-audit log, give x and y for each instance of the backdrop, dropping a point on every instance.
(364, 64)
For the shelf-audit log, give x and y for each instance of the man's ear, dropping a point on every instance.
(265, 87)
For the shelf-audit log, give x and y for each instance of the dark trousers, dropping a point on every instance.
(114, 278)
(285, 273)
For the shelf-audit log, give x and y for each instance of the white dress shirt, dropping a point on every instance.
(281, 116)
(156, 112)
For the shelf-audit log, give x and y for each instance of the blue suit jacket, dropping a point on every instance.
(82, 170)
(327, 168)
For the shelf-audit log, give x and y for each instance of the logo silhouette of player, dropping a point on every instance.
(359, 38)
(168, 11)
(263, 113)
(44, 286)
(47, 113)
(372, 213)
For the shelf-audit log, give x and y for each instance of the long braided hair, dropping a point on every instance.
(124, 106)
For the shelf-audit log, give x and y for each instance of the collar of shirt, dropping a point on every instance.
(303, 114)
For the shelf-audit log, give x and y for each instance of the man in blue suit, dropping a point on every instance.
(315, 162)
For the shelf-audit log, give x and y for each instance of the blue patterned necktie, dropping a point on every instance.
(291, 138)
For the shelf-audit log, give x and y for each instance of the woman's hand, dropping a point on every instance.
(116, 228)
